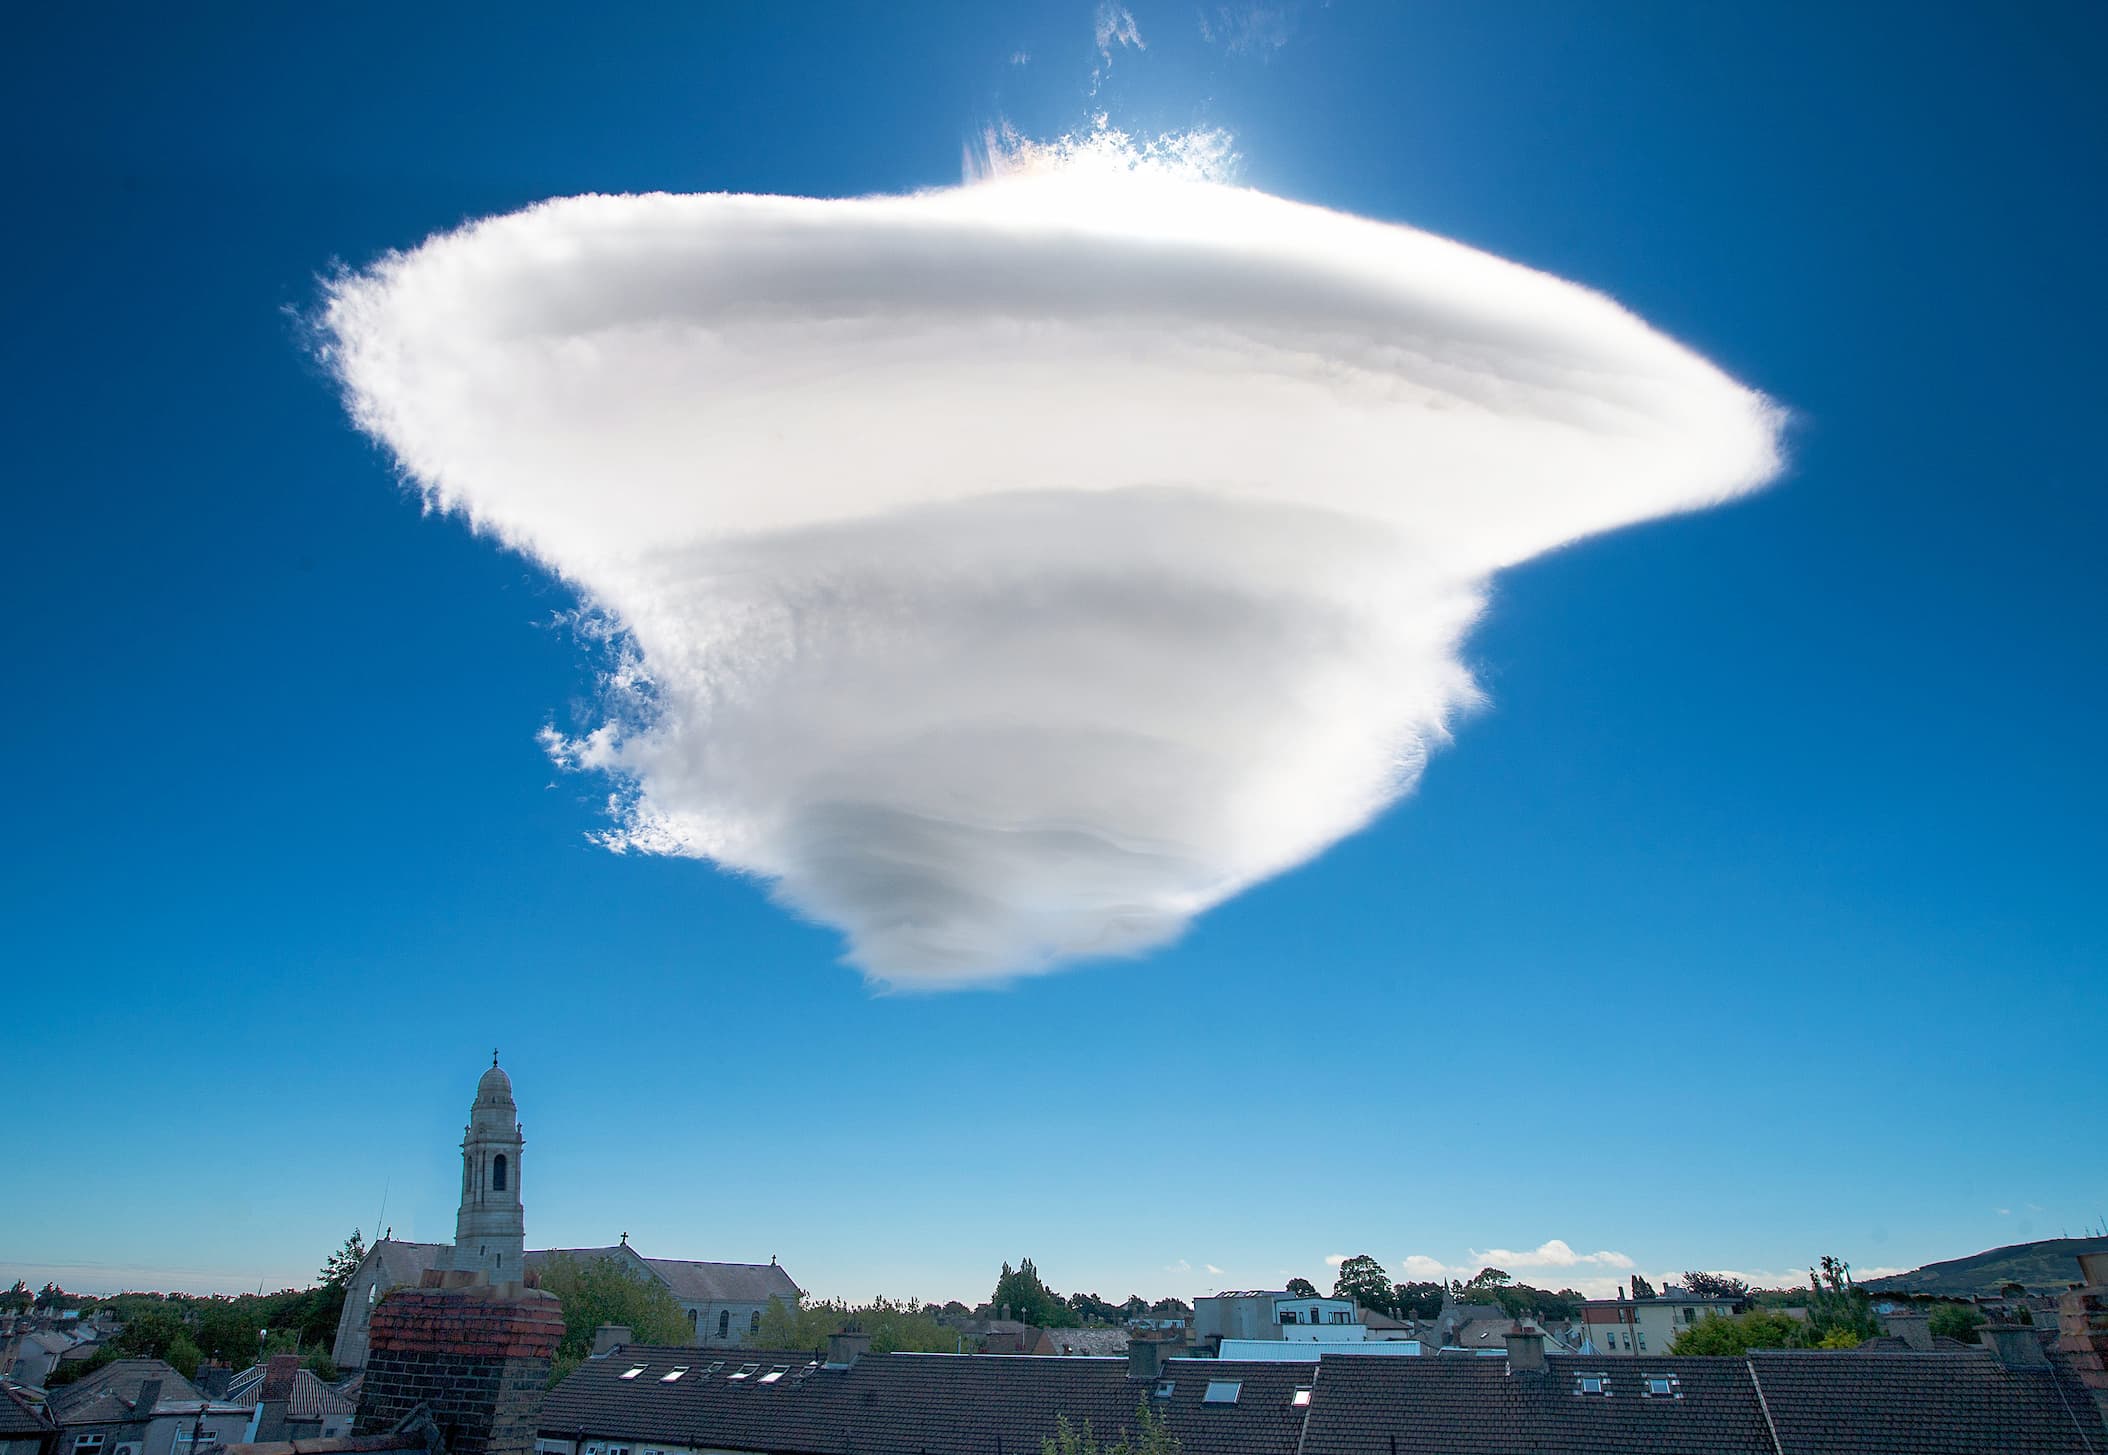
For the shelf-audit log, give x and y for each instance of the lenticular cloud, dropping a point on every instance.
(1008, 573)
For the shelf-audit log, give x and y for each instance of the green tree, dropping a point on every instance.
(907, 1327)
(1738, 1333)
(1029, 1299)
(1154, 1437)
(152, 1334)
(1416, 1300)
(324, 1304)
(1715, 1285)
(1641, 1288)
(598, 1291)
(18, 1299)
(1362, 1279)
(50, 1296)
(1302, 1288)
(1956, 1321)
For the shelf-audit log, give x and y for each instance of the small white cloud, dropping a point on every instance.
(1182, 1266)
(2005, 1212)
(1211, 1268)
(1249, 28)
(1115, 28)
(1335, 1259)
(1553, 1253)
(1419, 1268)
(1020, 58)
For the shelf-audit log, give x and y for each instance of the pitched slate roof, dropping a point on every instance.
(694, 1282)
(1929, 1404)
(19, 1418)
(108, 1393)
(1782, 1402)
(918, 1404)
(312, 1399)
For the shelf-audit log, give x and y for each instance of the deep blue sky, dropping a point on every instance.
(1758, 918)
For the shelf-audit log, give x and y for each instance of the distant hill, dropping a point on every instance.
(2048, 1266)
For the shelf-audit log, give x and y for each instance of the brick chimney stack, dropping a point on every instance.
(274, 1402)
(1525, 1349)
(2082, 1323)
(477, 1358)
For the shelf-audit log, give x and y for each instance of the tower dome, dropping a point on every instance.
(495, 1085)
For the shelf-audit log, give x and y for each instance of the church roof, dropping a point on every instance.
(724, 1282)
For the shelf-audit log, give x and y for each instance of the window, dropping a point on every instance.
(775, 1374)
(691, 1320)
(632, 1372)
(1661, 1386)
(1301, 1398)
(1165, 1387)
(497, 1173)
(1222, 1391)
(678, 1371)
(745, 1371)
(373, 1294)
(724, 1323)
(717, 1365)
(1591, 1384)
(754, 1323)
(1643, 1343)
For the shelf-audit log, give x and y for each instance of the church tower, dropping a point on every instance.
(491, 1230)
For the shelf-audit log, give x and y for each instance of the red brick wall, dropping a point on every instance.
(476, 1359)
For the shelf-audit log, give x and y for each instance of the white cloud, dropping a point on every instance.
(1182, 1266)
(1114, 27)
(1006, 574)
(1212, 1268)
(1248, 28)
(1020, 58)
(1335, 1259)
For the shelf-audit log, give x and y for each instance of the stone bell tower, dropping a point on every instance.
(490, 1231)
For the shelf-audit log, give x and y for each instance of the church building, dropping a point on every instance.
(723, 1301)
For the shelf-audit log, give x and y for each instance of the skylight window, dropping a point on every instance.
(719, 1364)
(632, 1372)
(1165, 1388)
(1222, 1391)
(745, 1371)
(775, 1374)
(1591, 1384)
(1661, 1386)
(678, 1371)
(1301, 1398)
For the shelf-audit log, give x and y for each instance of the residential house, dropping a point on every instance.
(290, 1403)
(140, 1407)
(1630, 1327)
(1774, 1402)
(1275, 1314)
(660, 1401)
(29, 1356)
(24, 1427)
(674, 1401)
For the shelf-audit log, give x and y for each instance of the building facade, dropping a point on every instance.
(723, 1302)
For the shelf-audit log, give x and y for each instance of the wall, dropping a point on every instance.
(478, 1358)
